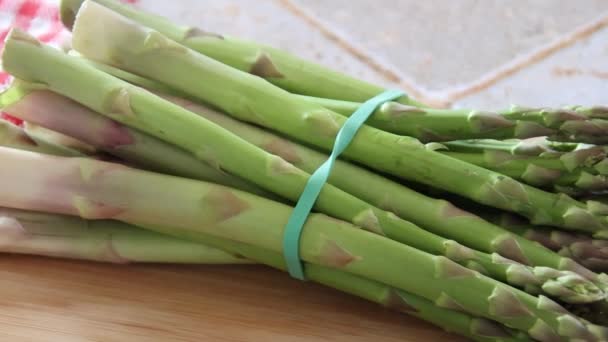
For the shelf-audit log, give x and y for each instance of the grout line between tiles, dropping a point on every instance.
(391, 74)
(445, 97)
(520, 63)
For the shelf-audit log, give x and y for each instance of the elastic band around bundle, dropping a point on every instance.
(293, 230)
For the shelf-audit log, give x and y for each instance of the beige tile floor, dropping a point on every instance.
(486, 53)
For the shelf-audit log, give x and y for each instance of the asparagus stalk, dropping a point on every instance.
(588, 251)
(101, 190)
(438, 216)
(534, 161)
(302, 77)
(553, 155)
(597, 312)
(25, 232)
(276, 66)
(37, 105)
(253, 99)
(17, 137)
(572, 123)
(45, 135)
(36, 233)
(429, 213)
(72, 118)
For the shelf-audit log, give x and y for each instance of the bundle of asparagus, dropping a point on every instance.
(573, 168)
(191, 179)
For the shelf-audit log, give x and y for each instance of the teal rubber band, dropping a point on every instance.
(293, 230)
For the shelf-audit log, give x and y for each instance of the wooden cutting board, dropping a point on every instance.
(62, 300)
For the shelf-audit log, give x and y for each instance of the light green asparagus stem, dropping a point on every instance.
(597, 312)
(100, 190)
(47, 109)
(573, 123)
(17, 137)
(582, 248)
(588, 251)
(135, 79)
(538, 147)
(535, 162)
(25, 232)
(565, 285)
(45, 135)
(103, 35)
(35, 233)
(276, 66)
(303, 77)
(475, 328)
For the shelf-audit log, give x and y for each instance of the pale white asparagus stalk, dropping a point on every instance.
(36, 233)
(193, 209)
(52, 235)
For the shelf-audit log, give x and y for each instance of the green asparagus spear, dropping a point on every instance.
(36, 105)
(100, 190)
(36, 233)
(25, 232)
(584, 249)
(278, 67)
(105, 36)
(573, 123)
(534, 161)
(565, 285)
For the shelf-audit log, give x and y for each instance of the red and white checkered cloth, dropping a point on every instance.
(38, 17)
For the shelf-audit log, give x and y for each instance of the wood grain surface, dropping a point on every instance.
(64, 300)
